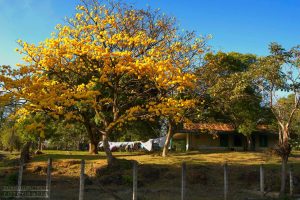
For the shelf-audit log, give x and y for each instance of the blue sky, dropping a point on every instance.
(246, 26)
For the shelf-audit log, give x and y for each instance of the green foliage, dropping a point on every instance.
(231, 96)
(10, 138)
(247, 127)
(67, 136)
(137, 131)
(285, 104)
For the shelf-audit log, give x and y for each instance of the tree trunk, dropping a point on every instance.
(284, 150)
(284, 161)
(169, 136)
(78, 146)
(93, 147)
(40, 144)
(92, 137)
(25, 153)
(109, 156)
(248, 143)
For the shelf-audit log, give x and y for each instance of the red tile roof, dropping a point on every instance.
(209, 126)
(217, 127)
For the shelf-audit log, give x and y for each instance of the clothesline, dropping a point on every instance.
(136, 144)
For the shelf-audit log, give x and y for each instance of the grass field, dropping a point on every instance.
(159, 178)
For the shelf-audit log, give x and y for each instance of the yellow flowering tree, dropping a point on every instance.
(108, 65)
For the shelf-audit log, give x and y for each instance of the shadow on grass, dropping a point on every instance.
(8, 159)
(207, 152)
(44, 157)
(73, 155)
(129, 154)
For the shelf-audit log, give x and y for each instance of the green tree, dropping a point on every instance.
(285, 103)
(67, 136)
(230, 95)
(140, 130)
(10, 138)
(277, 75)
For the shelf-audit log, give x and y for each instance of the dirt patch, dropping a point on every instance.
(68, 163)
(39, 169)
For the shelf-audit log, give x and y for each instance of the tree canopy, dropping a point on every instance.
(106, 66)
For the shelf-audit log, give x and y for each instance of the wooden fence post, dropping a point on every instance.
(134, 180)
(20, 176)
(183, 180)
(48, 182)
(262, 180)
(225, 182)
(81, 185)
(291, 180)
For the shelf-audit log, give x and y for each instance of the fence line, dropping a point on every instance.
(48, 181)
(134, 181)
(20, 176)
(183, 181)
(225, 181)
(262, 180)
(81, 184)
(291, 180)
(19, 189)
(22, 192)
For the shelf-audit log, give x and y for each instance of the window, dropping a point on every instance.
(223, 140)
(263, 141)
(237, 141)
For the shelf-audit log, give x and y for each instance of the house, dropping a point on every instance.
(223, 136)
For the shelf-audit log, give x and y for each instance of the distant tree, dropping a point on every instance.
(67, 136)
(10, 138)
(277, 75)
(140, 130)
(286, 103)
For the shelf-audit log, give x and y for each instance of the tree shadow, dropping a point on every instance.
(44, 157)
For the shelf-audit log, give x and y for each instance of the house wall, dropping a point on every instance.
(272, 141)
(208, 141)
(204, 141)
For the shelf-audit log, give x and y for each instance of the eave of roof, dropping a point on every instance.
(219, 127)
